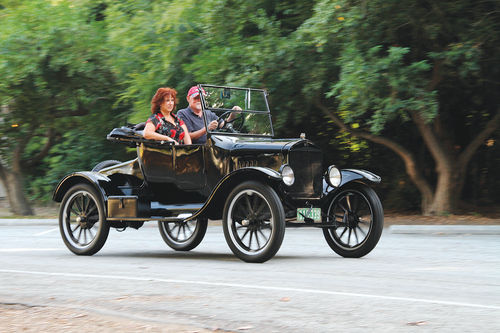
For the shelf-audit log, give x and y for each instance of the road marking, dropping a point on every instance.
(244, 286)
(27, 249)
(46, 232)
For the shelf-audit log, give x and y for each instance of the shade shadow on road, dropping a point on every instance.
(206, 256)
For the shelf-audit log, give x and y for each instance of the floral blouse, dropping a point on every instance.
(164, 127)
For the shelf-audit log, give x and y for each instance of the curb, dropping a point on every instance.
(393, 229)
(445, 229)
(28, 222)
(55, 222)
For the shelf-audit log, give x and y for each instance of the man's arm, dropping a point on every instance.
(232, 115)
(197, 134)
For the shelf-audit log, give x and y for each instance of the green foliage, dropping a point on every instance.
(54, 70)
(79, 148)
(371, 62)
(379, 87)
(149, 41)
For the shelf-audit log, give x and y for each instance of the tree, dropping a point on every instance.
(403, 74)
(53, 70)
(430, 67)
(371, 68)
(150, 41)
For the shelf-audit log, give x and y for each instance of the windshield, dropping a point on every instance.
(254, 117)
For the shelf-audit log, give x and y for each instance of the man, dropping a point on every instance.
(193, 117)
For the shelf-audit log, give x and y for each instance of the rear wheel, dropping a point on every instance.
(183, 236)
(254, 222)
(358, 217)
(82, 220)
(105, 164)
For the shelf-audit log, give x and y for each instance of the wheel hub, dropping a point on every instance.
(83, 222)
(251, 222)
(255, 224)
(352, 220)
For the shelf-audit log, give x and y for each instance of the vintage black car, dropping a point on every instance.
(256, 184)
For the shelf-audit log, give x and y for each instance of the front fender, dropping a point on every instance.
(215, 203)
(100, 182)
(350, 175)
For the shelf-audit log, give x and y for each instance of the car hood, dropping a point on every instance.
(238, 145)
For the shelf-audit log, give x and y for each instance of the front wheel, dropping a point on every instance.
(82, 220)
(183, 236)
(358, 219)
(254, 222)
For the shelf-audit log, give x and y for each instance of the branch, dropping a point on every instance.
(18, 152)
(406, 156)
(436, 75)
(80, 111)
(441, 156)
(2, 171)
(45, 150)
(471, 148)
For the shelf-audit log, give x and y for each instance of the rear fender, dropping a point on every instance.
(100, 182)
(214, 205)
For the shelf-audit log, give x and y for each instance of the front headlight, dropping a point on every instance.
(287, 175)
(333, 176)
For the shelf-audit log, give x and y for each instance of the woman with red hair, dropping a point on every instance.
(163, 124)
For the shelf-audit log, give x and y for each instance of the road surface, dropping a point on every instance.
(441, 283)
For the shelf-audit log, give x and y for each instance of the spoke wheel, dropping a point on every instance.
(82, 221)
(183, 236)
(254, 222)
(358, 218)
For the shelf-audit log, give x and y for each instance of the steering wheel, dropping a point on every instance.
(228, 126)
(221, 119)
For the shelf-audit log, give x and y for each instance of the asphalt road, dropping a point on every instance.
(442, 283)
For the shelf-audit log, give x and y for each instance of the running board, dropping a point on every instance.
(152, 218)
(313, 225)
(129, 208)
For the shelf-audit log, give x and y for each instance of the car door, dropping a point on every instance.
(181, 166)
(189, 166)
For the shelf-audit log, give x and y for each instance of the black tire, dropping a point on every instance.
(254, 209)
(105, 164)
(82, 220)
(183, 236)
(358, 214)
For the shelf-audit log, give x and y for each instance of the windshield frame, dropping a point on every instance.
(204, 107)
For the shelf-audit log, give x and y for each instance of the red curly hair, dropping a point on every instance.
(160, 96)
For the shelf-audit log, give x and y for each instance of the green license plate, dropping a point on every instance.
(312, 213)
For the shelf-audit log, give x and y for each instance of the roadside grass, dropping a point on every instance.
(48, 211)
(484, 216)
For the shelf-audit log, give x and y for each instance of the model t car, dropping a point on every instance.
(256, 184)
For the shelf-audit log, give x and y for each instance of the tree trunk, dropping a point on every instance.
(13, 183)
(451, 169)
(442, 202)
(450, 183)
(12, 175)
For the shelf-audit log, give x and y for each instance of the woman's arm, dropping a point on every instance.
(187, 137)
(150, 134)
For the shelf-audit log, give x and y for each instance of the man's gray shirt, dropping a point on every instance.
(195, 123)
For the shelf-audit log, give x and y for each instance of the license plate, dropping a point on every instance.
(312, 213)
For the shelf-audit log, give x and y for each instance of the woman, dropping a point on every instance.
(163, 124)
